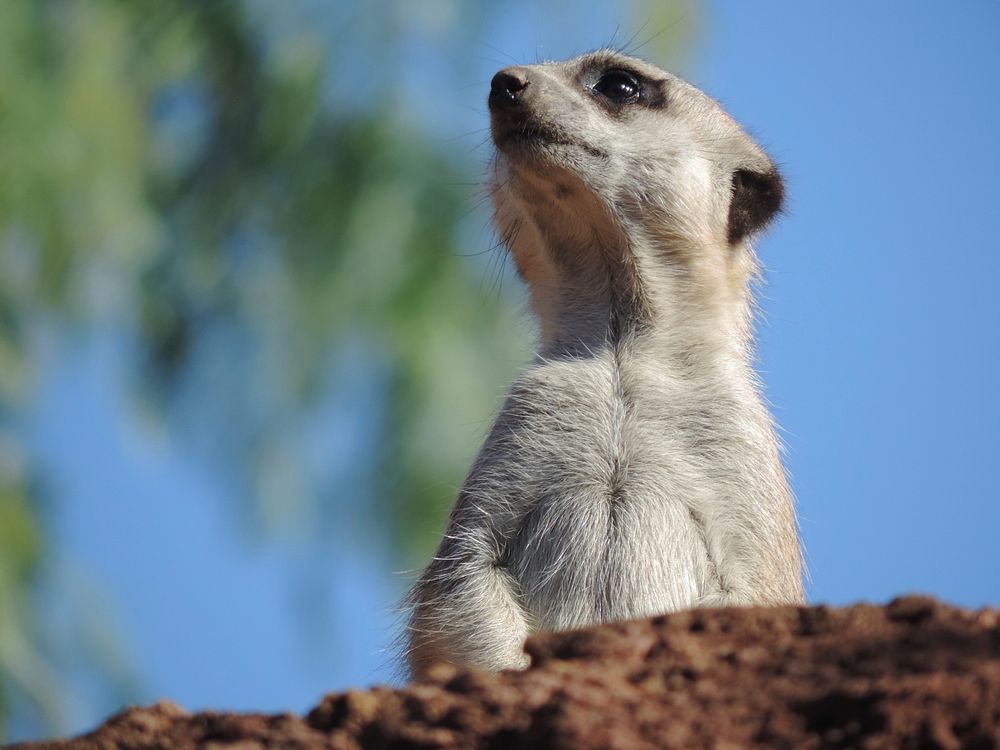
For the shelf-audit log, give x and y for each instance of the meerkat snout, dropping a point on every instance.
(505, 87)
(633, 468)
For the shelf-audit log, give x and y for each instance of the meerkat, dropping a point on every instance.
(633, 468)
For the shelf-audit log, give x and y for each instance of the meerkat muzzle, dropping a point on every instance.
(506, 88)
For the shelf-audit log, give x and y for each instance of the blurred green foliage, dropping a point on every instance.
(192, 176)
(174, 171)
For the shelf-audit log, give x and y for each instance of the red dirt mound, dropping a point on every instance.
(913, 674)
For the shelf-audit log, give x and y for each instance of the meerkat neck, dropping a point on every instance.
(609, 299)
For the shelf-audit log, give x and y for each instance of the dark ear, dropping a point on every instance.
(756, 199)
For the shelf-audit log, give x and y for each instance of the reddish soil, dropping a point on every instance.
(913, 674)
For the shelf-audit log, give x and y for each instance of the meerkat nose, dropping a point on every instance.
(506, 87)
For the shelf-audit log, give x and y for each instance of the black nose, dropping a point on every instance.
(506, 87)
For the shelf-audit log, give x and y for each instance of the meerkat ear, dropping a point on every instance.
(756, 198)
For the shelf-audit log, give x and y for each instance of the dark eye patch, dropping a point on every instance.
(619, 86)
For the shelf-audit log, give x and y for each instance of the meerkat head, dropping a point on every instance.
(606, 159)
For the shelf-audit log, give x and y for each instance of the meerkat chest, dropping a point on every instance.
(607, 531)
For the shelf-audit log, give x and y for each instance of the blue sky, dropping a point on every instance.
(880, 336)
(878, 345)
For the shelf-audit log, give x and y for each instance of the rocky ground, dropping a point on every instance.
(913, 674)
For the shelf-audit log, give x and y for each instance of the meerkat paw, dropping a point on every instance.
(521, 661)
(513, 658)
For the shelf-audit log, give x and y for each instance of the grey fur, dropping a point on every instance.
(633, 469)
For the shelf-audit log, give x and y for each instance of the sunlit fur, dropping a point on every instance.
(633, 468)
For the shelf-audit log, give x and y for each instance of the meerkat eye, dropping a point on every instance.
(619, 86)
